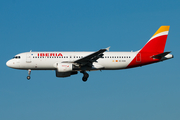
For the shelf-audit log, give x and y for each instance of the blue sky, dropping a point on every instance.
(147, 93)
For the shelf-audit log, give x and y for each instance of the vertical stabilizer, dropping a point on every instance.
(158, 41)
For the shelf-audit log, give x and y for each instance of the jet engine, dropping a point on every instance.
(65, 70)
(64, 67)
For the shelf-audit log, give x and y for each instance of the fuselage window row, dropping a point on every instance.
(117, 57)
(81, 57)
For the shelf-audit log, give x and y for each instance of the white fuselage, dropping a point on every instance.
(48, 60)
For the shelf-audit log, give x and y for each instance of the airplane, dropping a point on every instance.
(70, 63)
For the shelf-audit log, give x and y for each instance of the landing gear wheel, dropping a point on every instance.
(29, 73)
(28, 77)
(85, 77)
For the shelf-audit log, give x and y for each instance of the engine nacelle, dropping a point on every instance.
(65, 74)
(64, 67)
(65, 70)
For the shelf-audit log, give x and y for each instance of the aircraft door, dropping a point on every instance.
(28, 57)
(138, 57)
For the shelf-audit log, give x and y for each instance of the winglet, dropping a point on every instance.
(108, 48)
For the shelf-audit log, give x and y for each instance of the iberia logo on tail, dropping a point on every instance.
(154, 47)
(158, 41)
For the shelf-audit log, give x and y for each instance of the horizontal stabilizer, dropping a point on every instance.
(159, 56)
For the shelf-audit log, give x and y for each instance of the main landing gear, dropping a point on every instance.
(29, 72)
(85, 76)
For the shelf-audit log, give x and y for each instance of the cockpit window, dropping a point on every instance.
(17, 57)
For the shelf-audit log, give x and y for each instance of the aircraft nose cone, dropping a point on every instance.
(8, 63)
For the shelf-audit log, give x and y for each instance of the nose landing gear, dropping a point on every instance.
(85, 76)
(29, 72)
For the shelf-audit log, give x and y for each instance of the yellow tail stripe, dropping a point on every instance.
(162, 29)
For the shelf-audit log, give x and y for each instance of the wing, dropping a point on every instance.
(89, 59)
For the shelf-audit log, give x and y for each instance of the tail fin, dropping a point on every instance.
(158, 41)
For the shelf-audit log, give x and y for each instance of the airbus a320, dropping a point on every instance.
(70, 63)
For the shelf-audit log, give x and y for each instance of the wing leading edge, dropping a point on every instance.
(89, 59)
